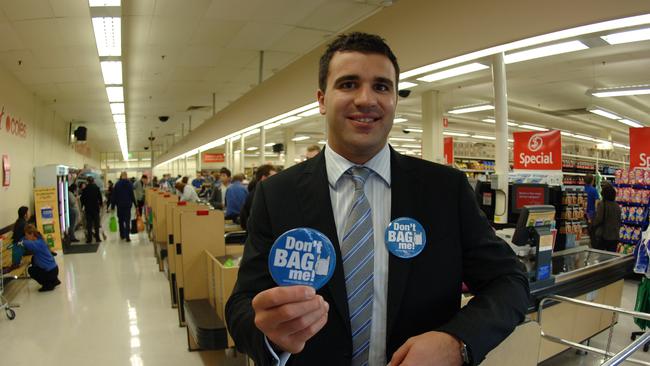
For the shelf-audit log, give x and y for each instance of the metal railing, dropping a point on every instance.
(611, 359)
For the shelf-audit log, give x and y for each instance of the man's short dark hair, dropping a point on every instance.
(225, 171)
(90, 180)
(22, 211)
(144, 176)
(238, 177)
(357, 42)
(589, 179)
(263, 171)
(185, 179)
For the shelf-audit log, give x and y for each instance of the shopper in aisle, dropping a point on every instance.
(18, 231)
(312, 151)
(225, 177)
(138, 190)
(607, 220)
(75, 213)
(186, 192)
(91, 200)
(216, 196)
(235, 198)
(592, 197)
(412, 313)
(109, 191)
(261, 174)
(154, 182)
(124, 198)
(44, 269)
(198, 181)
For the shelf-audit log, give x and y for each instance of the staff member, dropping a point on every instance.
(123, 197)
(410, 309)
(44, 269)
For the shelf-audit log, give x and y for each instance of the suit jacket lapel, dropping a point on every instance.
(314, 198)
(403, 189)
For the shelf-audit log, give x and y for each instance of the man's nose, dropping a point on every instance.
(366, 96)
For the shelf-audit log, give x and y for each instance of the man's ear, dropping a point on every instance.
(320, 95)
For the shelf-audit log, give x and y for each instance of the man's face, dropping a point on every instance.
(224, 178)
(145, 180)
(359, 104)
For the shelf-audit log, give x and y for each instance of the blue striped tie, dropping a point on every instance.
(357, 250)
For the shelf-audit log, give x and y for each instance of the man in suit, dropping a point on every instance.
(413, 309)
(91, 200)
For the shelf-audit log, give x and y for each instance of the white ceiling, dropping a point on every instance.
(176, 54)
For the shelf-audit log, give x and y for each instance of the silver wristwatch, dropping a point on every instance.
(464, 354)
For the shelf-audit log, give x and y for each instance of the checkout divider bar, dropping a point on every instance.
(614, 358)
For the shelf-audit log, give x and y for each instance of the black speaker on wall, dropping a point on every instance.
(80, 133)
(277, 148)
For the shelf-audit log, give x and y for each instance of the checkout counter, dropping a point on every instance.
(581, 273)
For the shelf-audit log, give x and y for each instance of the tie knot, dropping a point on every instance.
(359, 175)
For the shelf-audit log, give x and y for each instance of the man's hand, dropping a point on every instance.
(431, 349)
(289, 316)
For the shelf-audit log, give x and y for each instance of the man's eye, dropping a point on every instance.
(347, 85)
(382, 87)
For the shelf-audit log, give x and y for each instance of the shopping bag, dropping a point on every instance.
(140, 224)
(112, 224)
(134, 226)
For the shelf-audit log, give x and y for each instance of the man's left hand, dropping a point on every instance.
(429, 349)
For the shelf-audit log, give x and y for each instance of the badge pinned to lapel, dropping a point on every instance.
(302, 256)
(405, 237)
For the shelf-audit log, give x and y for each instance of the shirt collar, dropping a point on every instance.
(337, 165)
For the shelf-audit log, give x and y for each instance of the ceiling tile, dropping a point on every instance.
(67, 56)
(263, 10)
(274, 60)
(139, 7)
(258, 36)
(41, 33)
(76, 32)
(236, 58)
(190, 73)
(27, 9)
(70, 8)
(300, 40)
(9, 39)
(178, 9)
(201, 56)
(336, 15)
(216, 33)
(136, 31)
(180, 33)
(10, 60)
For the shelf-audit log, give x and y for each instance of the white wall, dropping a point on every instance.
(45, 142)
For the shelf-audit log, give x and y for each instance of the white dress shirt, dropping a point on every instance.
(377, 190)
(189, 194)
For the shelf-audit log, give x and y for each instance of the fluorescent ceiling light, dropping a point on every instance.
(481, 137)
(108, 36)
(112, 72)
(400, 120)
(119, 118)
(236, 151)
(300, 138)
(629, 36)
(471, 108)
(605, 113)
(630, 122)
(458, 134)
(252, 148)
(269, 144)
(322, 142)
(532, 41)
(97, 3)
(212, 145)
(416, 130)
(620, 91)
(586, 138)
(511, 140)
(554, 49)
(115, 94)
(489, 120)
(534, 128)
(621, 146)
(456, 71)
(282, 122)
(117, 108)
(405, 85)
(252, 132)
(412, 146)
(310, 112)
(404, 139)
(568, 134)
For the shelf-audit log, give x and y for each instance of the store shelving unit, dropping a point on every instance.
(633, 195)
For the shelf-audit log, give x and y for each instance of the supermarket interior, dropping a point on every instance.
(146, 145)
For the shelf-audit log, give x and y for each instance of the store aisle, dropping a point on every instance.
(112, 308)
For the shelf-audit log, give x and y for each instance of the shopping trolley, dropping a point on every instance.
(4, 304)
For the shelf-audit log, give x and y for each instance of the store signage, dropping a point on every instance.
(6, 171)
(47, 214)
(640, 147)
(449, 150)
(526, 196)
(538, 150)
(214, 158)
(302, 256)
(12, 125)
(445, 122)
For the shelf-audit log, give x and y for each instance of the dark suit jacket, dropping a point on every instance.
(423, 292)
(91, 198)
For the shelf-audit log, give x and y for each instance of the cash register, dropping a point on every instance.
(532, 241)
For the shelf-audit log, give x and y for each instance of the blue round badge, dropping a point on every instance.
(405, 237)
(302, 256)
